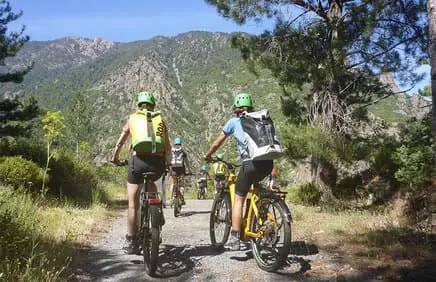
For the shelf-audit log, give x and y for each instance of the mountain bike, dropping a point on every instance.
(266, 222)
(178, 199)
(202, 188)
(149, 222)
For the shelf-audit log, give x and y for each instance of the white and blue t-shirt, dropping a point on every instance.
(234, 127)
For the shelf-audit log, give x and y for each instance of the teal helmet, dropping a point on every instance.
(243, 100)
(203, 168)
(219, 157)
(178, 141)
(145, 97)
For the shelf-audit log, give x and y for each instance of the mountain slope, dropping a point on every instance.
(194, 77)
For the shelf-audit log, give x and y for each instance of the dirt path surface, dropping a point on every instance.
(186, 255)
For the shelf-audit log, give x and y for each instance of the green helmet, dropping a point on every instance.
(219, 156)
(243, 100)
(145, 97)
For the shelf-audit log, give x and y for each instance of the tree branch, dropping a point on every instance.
(317, 10)
(381, 53)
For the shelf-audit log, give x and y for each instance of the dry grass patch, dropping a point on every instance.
(366, 240)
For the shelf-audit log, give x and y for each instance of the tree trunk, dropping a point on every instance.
(432, 52)
(324, 176)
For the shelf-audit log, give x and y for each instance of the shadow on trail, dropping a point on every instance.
(294, 265)
(96, 264)
(174, 264)
(189, 213)
(176, 260)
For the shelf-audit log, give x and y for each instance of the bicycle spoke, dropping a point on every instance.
(272, 249)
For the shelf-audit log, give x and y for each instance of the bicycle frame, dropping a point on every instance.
(252, 209)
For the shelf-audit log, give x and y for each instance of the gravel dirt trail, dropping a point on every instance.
(186, 255)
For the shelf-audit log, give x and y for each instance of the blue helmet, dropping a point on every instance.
(203, 167)
(178, 141)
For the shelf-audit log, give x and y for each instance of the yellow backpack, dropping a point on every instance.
(148, 132)
(220, 169)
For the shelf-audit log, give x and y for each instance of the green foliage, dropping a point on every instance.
(339, 49)
(415, 156)
(19, 117)
(10, 43)
(25, 255)
(27, 148)
(307, 194)
(426, 91)
(303, 140)
(73, 179)
(78, 117)
(19, 172)
(53, 124)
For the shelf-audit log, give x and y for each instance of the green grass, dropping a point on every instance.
(27, 252)
(39, 235)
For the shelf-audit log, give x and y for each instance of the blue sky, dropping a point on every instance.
(128, 20)
(121, 21)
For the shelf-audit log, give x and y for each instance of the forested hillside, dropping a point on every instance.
(193, 75)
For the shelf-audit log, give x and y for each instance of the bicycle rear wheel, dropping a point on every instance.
(150, 243)
(272, 249)
(177, 206)
(220, 220)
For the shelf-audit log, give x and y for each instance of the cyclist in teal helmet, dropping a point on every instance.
(140, 162)
(203, 178)
(250, 172)
(179, 167)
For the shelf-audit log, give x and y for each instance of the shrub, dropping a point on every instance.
(27, 148)
(72, 179)
(19, 172)
(307, 194)
(415, 156)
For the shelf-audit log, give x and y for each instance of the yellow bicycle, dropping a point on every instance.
(266, 222)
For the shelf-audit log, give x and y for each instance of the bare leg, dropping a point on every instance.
(237, 213)
(132, 194)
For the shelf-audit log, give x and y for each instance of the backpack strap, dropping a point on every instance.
(150, 130)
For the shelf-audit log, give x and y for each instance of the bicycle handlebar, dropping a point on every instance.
(230, 165)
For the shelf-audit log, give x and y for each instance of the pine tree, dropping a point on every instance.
(10, 44)
(14, 115)
(337, 47)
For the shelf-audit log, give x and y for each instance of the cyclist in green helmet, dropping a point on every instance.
(219, 173)
(203, 178)
(140, 162)
(250, 172)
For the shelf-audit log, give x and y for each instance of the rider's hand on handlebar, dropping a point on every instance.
(208, 158)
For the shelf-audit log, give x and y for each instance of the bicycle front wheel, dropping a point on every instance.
(272, 249)
(150, 245)
(177, 206)
(220, 220)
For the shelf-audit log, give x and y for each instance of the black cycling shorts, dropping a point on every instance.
(251, 172)
(141, 164)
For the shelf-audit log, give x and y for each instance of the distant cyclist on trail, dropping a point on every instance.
(219, 171)
(250, 172)
(179, 167)
(143, 157)
(203, 175)
(203, 178)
